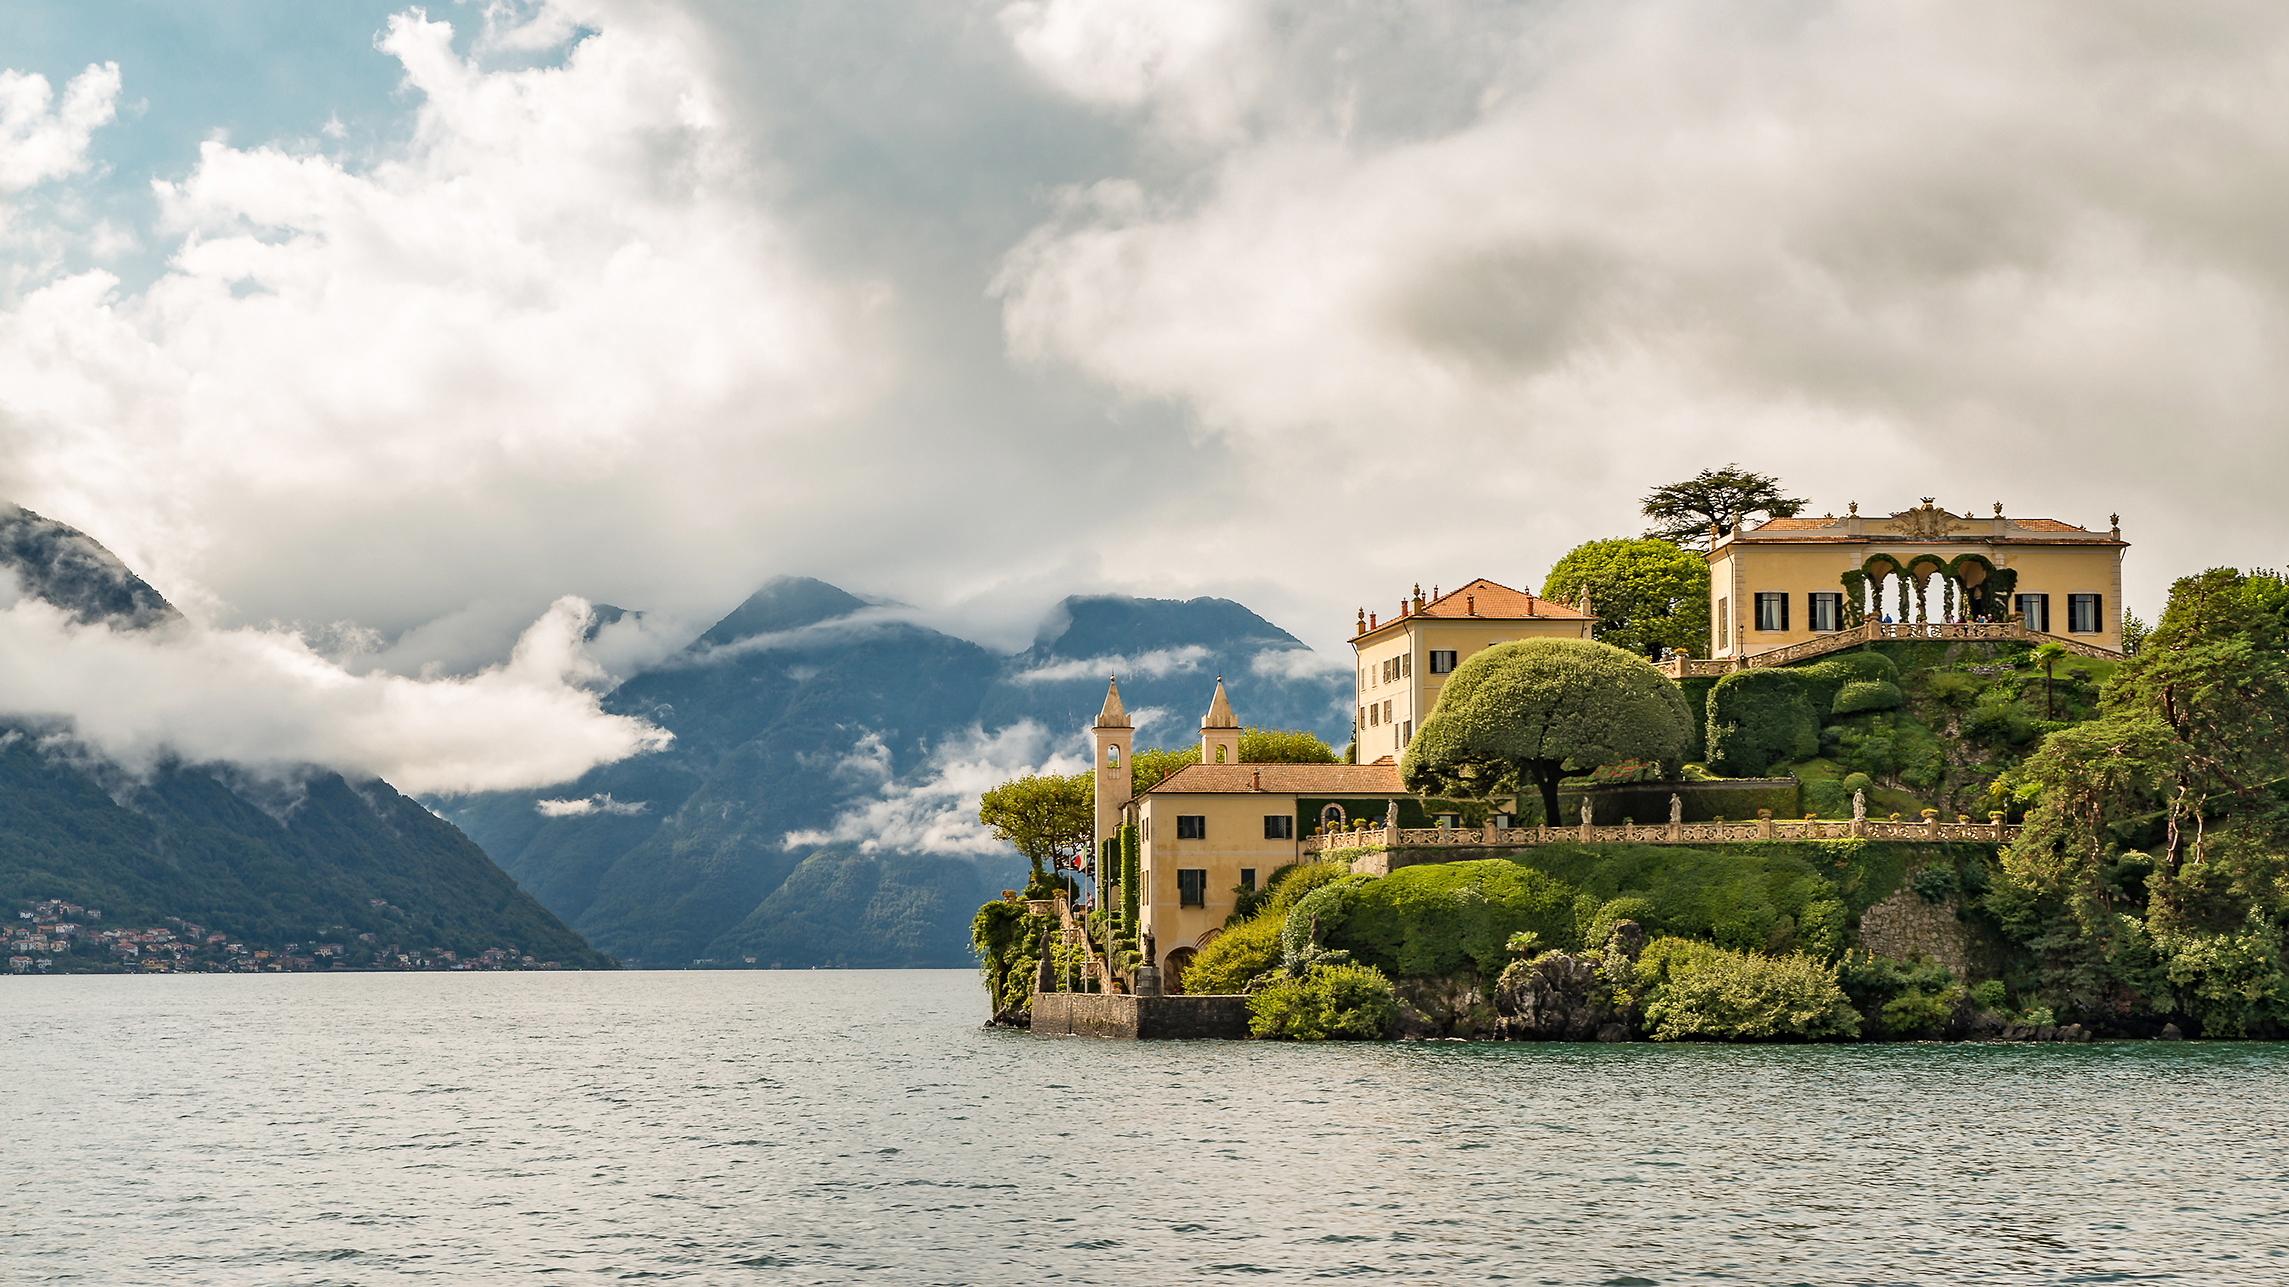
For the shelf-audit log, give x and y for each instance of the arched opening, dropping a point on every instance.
(1173, 967)
(1331, 818)
(1112, 755)
(1219, 755)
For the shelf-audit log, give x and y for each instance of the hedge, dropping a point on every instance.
(1438, 918)
(1760, 718)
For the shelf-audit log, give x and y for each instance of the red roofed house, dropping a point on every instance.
(1404, 660)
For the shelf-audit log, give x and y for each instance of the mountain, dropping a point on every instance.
(264, 863)
(813, 738)
(73, 571)
(260, 860)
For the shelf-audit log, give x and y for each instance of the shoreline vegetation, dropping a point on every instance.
(2143, 897)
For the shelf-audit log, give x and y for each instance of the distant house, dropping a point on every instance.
(1403, 661)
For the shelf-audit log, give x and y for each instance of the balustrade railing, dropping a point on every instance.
(1871, 631)
(1672, 833)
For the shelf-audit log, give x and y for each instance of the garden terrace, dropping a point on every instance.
(1881, 632)
(1378, 841)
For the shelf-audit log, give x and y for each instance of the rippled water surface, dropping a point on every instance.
(844, 1127)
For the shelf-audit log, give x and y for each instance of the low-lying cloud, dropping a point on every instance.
(935, 810)
(266, 701)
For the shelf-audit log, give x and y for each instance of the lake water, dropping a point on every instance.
(861, 1127)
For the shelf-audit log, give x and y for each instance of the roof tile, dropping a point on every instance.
(1282, 779)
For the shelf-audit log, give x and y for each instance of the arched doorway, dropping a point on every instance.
(1172, 969)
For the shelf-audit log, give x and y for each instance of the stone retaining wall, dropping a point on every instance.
(1095, 1014)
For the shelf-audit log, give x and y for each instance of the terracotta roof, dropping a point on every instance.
(1484, 600)
(1792, 524)
(1282, 779)
(2045, 525)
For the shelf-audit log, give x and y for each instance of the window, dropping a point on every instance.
(1191, 887)
(1362, 721)
(1771, 610)
(1722, 618)
(1374, 714)
(1112, 756)
(2036, 609)
(2083, 616)
(1147, 828)
(1387, 710)
(1279, 826)
(1406, 732)
(1826, 612)
(1248, 879)
(1442, 661)
(1406, 665)
(1500, 821)
(1449, 821)
(1192, 826)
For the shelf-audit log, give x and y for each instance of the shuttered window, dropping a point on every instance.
(1279, 826)
(1192, 826)
(1723, 619)
(2084, 614)
(1192, 887)
(1771, 610)
(1248, 879)
(1442, 661)
(2035, 609)
(1826, 612)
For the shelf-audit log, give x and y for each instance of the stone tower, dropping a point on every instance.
(1220, 731)
(1113, 733)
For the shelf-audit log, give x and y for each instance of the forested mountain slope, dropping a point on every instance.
(816, 742)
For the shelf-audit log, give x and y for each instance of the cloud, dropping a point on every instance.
(1298, 663)
(266, 701)
(935, 810)
(562, 300)
(1616, 242)
(1195, 55)
(39, 142)
(583, 807)
(1155, 663)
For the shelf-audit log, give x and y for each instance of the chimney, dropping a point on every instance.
(1256, 780)
(1470, 605)
(1370, 621)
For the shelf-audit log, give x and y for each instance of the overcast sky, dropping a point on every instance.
(356, 316)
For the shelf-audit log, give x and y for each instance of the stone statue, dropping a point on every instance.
(1676, 810)
(1859, 806)
(1585, 811)
(1147, 941)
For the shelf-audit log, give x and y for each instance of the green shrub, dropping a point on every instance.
(1999, 719)
(1437, 918)
(1855, 783)
(2228, 979)
(1989, 995)
(1236, 957)
(1695, 990)
(1898, 998)
(1935, 883)
(1820, 929)
(1338, 1002)
(1759, 718)
(1823, 679)
(1735, 894)
(1862, 696)
(1951, 690)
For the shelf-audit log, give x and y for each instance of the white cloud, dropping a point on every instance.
(1885, 250)
(41, 139)
(265, 700)
(1155, 663)
(563, 298)
(1198, 55)
(586, 805)
(1297, 663)
(935, 810)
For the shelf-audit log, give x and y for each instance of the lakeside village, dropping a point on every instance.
(1909, 776)
(53, 936)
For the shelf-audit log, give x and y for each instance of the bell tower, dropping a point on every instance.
(1112, 733)
(1220, 731)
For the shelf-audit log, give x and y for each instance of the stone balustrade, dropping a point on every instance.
(1669, 833)
(1880, 631)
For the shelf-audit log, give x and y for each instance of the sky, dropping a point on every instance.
(379, 332)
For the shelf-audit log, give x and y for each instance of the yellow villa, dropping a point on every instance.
(1214, 828)
(1791, 581)
(1404, 661)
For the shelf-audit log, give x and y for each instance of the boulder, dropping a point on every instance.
(1432, 1008)
(2170, 1033)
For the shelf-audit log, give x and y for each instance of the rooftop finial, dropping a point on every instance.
(1998, 509)
(1220, 710)
(1113, 715)
(1853, 509)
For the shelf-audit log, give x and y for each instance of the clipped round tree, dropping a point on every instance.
(1535, 710)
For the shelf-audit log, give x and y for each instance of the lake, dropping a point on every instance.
(843, 1127)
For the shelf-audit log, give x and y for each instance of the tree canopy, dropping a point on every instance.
(1045, 817)
(1538, 708)
(1684, 512)
(1648, 594)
